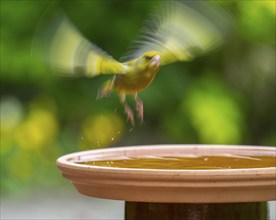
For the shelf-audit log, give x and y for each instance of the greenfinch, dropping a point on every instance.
(177, 31)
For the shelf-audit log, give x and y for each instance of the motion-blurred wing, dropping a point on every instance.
(180, 31)
(69, 53)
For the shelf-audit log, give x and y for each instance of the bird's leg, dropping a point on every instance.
(139, 107)
(128, 110)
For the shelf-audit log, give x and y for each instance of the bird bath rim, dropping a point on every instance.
(178, 186)
(72, 158)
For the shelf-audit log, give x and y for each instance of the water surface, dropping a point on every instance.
(188, 163)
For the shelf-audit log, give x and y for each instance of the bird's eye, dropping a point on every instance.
(148, 57)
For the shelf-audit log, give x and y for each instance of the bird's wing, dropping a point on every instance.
(67, 52)
(180, 31)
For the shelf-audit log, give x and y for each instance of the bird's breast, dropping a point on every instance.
(134, 82)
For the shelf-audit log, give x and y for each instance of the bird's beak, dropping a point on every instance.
(155, 61)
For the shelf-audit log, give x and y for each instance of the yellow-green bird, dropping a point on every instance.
(177, 31)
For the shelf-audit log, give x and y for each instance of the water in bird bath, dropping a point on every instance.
(188, 163)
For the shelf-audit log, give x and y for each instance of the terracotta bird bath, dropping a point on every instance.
(173, 182)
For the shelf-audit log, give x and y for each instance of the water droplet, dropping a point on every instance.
(98, 143)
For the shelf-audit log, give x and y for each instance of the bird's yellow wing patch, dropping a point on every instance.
(69, 53)
(180, 31)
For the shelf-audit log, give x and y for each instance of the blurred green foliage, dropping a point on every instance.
(226, 97)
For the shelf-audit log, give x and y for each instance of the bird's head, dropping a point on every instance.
(149, 60)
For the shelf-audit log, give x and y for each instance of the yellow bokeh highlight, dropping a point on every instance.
(38, 130)
(101, 130)
(268, 4)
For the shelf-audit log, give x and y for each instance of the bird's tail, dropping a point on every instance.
(105, 89)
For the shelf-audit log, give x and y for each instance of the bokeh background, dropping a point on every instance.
(225, 97)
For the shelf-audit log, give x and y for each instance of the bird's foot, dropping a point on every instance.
(140, 109)
(130, 115)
